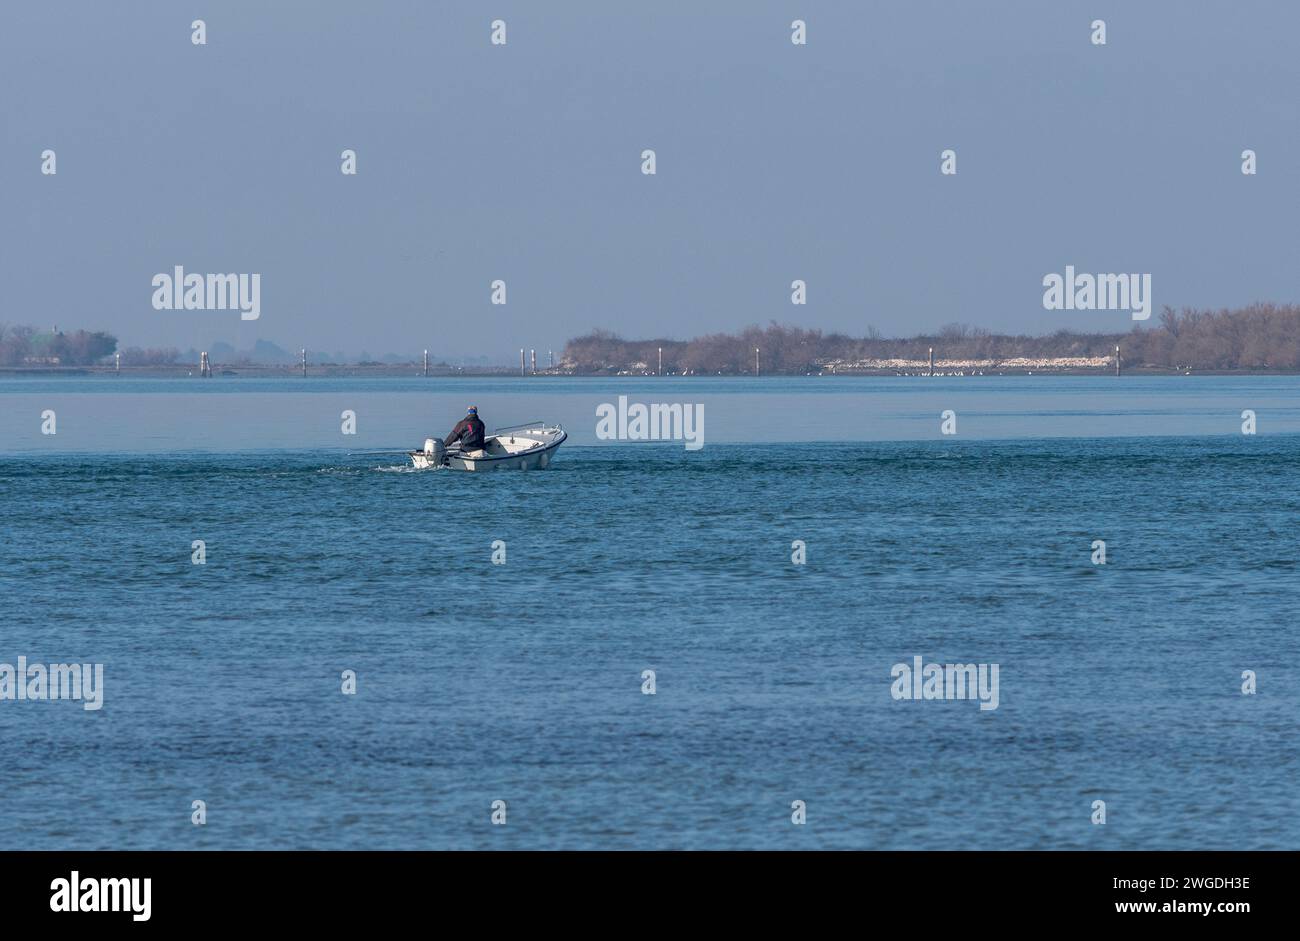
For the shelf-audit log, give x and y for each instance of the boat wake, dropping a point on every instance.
(404, 469)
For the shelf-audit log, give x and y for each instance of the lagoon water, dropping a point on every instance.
(108, 413)
(522, 682)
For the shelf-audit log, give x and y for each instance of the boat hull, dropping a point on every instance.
(532, 449)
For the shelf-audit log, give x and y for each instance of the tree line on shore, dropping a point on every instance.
(24, 345)
(1258, 337)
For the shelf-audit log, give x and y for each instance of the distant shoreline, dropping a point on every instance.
(1261, 339)
(414, 370)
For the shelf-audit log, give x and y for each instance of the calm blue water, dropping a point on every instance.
(522, 682)
(107, 413)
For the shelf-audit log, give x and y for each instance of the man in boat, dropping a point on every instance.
(469, 431)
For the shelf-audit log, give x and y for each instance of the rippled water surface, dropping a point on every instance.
(522, 682)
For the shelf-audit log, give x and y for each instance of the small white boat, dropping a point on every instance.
(518, 447)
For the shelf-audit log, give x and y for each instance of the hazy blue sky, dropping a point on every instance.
(522, 162)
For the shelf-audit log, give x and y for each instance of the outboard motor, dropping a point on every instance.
(435, 451)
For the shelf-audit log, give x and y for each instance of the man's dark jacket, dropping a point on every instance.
(469, 432)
